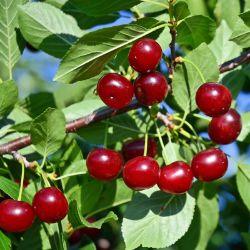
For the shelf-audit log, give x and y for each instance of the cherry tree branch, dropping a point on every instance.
(106, 113)
(232, 64)
(72, 126)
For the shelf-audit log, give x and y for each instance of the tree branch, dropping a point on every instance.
(72, 126)
(106, 113)
(232, 64)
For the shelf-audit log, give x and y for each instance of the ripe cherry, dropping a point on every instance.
(209, 165)
(213, 99)
(175, 178)
(104, 164)
(141, 173)
(50, 205)
(16, 216)
(226, 128)
(145, 55)
(115, 90)
(134, 148)
(151, 88)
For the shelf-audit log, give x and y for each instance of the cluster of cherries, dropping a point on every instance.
(214, 100)
(151, 87)
(49, 205)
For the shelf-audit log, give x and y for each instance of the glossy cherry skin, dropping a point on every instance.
(115, 90)
(213, 99)
(134, 148)
(90, 232)
(104, 164)
(16, 216)
(175, 178)
(151, 88)
(141, 173)
(226, 128)
(50, 205)
(209, 165)
(145, 55)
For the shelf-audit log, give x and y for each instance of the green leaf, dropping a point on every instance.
(48, 131)
(246, 17)
(8, 96)
(187, 80)
(12, 189)
(223, 49)
(206, 218)
(228, 10)
(247, 4)
(246, 237)
(87, 57)
(77, 221)
(5, 243)
(243, 182)
(96, 8)
(11, 43)
(245, 131)
(151, 7)
(194, 30)
(48, 28)
(181, 10)
(241, 34)
(156, 219)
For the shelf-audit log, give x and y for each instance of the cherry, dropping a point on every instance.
(213, 99)
(209, 165)
(134, 148)
(141, 172)
(115, 90)
(50, 205)
(226, 128)
(151, 88)
(145, 55)
(104, 164)
(175, 178)
(90, 232)
(16, 216)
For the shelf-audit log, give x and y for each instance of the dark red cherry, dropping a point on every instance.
(209, 165)
(151, 88)
(213, 99)
(226, 128)
(115, 90)
(175, 178)
(104, 164)
(141, 172)
(145, 55)
(90, 232)
(50, 205)
(134, 148)
(16, 216)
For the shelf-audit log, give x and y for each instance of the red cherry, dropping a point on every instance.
(213, 99)
(151, 88)
(226, 128)
(141, 173)
(145, 55)
(115, 90)
(175, 178)
(90, 232)
(134, 148)
(16, 216)
(50, 205)
(209, 165)
(104, 164)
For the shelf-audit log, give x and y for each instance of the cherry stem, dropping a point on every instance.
(146, 143)
(21, 183)
(183, 120)
(196, 67)
(165, 157)
(171, 145)
(202, 117)
(40, 171)
(68, 175)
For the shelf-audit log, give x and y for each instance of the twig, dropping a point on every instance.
(21, 158)
(232, 64)
(72, 126)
